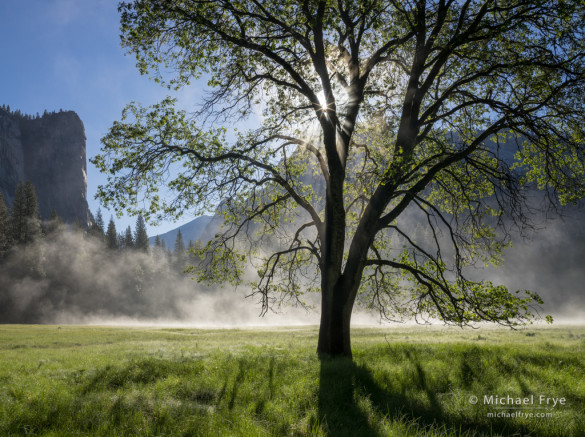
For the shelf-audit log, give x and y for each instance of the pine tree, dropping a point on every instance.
(179, 254)
(166, 250)
(5, 233)
(128, 239)
(112, 235)
(121, 241)
(78, 226)
(99, 221)
(97, 228)
(18, 218)
(54, 224)
(25, 220)
(157, 249)
(33, 222)
(140, 236)
(179, 244)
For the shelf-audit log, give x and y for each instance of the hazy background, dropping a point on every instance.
(65, 54)
(70, 277)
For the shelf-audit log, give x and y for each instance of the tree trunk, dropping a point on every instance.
(337, 301)
(334, 330)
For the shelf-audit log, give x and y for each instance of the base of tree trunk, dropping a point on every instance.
(334, 331)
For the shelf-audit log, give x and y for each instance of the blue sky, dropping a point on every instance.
(66, 54)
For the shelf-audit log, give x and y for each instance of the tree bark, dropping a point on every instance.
(334, 330)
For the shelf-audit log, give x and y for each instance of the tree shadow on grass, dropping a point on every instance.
(352, 402)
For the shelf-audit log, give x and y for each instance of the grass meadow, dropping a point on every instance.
(405, 381)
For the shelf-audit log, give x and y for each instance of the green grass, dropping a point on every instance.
(407, 381)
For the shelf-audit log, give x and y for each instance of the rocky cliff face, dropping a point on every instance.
(50, 152)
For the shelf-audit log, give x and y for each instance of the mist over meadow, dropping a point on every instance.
(549, 260)
(72, 277)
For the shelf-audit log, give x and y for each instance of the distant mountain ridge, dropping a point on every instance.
(192, 231)
(49, 151)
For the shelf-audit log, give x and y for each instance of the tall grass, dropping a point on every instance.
(61, 381)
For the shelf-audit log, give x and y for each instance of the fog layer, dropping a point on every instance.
(71, 278)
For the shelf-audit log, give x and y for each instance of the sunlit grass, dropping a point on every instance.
(406, 381)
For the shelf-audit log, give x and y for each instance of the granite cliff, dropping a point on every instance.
(48, 150)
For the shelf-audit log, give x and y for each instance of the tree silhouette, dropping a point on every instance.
(179, 253)
(97, 227)
(54, 225)
(128, 239)
(396, 109)
(5, 231)
(140, 236)
(25, 219)
(112, 235)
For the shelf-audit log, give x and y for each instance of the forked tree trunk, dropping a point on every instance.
(337, 301)
(336, 305)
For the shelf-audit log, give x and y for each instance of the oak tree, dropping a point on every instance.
(366, 118)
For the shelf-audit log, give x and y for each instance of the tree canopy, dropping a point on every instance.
(373, 115)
